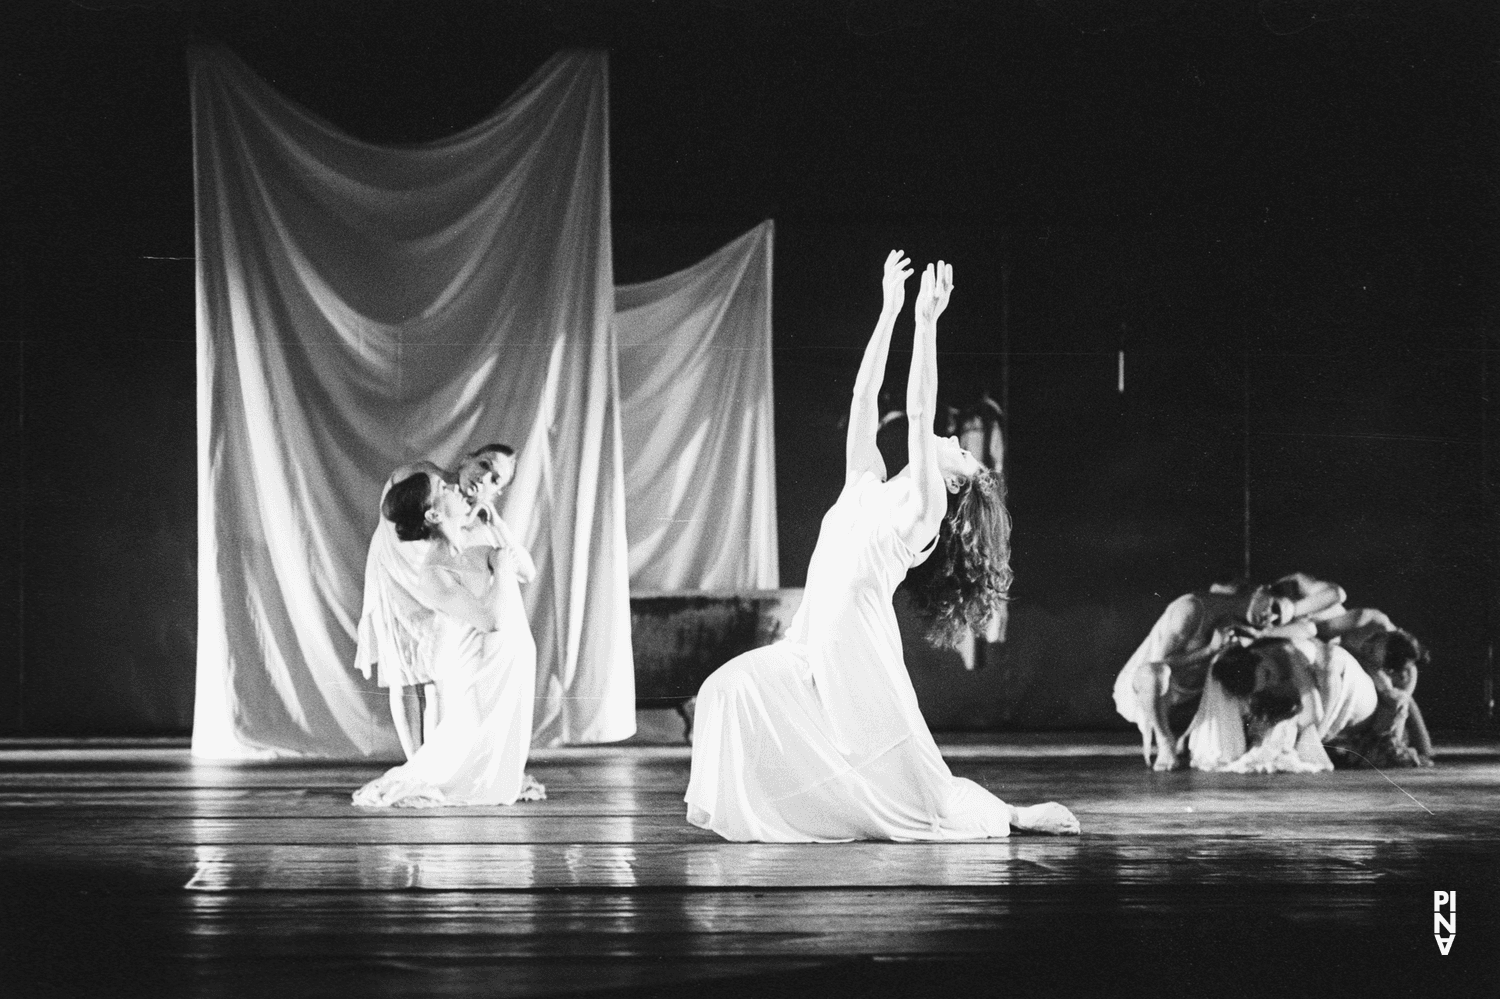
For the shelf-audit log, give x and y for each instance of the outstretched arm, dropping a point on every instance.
(1313, 597)
(1361, 619)
(860, 453)
(918, 521)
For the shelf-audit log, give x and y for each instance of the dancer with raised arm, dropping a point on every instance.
(818, 737)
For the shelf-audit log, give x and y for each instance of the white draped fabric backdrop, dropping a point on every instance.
(696, 410)
(362, 306)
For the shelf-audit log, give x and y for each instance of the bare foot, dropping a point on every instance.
(1167, 760)
(1050, 818)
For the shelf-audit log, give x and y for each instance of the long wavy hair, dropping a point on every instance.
(966, 580)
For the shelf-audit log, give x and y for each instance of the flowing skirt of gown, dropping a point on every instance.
(818, 738)
(476, 755)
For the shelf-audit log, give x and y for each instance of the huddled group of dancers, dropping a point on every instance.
(819, 737)
(1279, 677)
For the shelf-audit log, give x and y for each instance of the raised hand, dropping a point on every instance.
(893, 284)
(937, 286)
(924, 295)
(942, 288)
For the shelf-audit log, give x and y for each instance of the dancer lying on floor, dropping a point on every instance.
(1275, 704)
(405, 669)
(818, 738)
(467, 623)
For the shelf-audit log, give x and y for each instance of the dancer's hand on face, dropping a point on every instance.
(477, 513)
(897, 270)
(486, 489)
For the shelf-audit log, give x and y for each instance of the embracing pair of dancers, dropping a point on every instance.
(443, 623)
(818, 737)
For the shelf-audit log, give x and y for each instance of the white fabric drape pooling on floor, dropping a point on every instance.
(696, 413)
(360, 306)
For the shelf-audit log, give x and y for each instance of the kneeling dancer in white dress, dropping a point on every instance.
(479, 642)
(395, 627)
(818, 737)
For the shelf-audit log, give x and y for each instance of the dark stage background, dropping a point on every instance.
(1285, 212)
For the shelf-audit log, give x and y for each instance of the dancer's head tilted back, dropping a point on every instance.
(405, 505)
(965, 580)
(962, 584)
(424, 506)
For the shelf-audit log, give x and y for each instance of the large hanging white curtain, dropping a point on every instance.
(360, 306)
(696, 411)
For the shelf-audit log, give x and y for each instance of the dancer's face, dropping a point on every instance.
(446, 506)
(490, 472)
(956, 464)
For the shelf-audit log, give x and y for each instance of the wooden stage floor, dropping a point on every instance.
(132, 871)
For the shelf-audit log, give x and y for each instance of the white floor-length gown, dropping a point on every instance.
(818, 737)
(486, 681)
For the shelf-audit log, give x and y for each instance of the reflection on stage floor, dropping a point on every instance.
(129, 870)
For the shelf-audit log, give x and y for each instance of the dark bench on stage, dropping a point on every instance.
(680, 638)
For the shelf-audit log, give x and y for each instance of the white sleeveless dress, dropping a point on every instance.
(486, 685)
(818, 738)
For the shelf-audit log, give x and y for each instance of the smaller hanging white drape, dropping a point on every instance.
(697, 423)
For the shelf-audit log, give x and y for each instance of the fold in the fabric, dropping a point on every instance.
(399, 629)
(359, 307)
(698, 423)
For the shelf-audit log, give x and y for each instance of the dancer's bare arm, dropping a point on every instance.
(1301, 628)
(1317, 596)
(1416, 732)
(511, 548)
(919, 520)
(1416, 727)
(1359, 619)
(860, 452)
